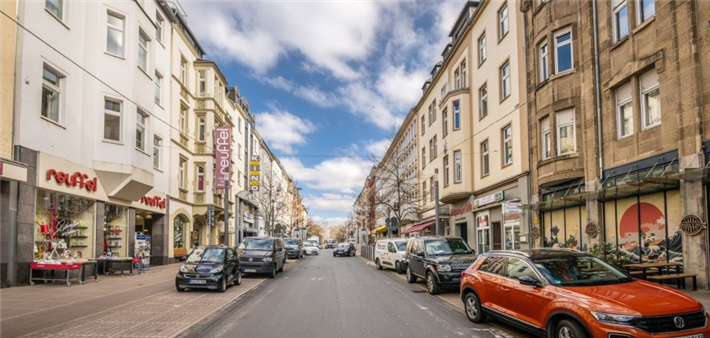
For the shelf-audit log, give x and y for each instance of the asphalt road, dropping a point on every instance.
(325, 296)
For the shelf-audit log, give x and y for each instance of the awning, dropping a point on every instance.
(381, 229)
(419, 227)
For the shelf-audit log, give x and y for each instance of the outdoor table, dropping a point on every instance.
(83, 270)
(656, 265)
(107, 264)
(55, 267)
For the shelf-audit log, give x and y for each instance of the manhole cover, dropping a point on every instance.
(419, 291)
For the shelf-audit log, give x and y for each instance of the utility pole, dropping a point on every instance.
(226, 212)
(436, 198)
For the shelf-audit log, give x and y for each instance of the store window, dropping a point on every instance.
(483, 234)
(565, 132)
(621, 19)
(624, 111)
(64, 227)
(115, 230)
(512, 236)
(650, 99)
(179, 228)
(52, 83)
(112, 120)
(114, 35)
(545, 137)
(646, 9)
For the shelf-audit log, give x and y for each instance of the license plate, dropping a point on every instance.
(249, 270)
(699, 335)
(197, 281)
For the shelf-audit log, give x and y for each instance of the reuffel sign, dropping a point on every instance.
(254, 173)
(222, 153)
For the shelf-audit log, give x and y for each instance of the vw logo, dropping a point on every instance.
(679, 322)
(252, 259)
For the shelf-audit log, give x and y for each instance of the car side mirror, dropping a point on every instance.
(530, 281)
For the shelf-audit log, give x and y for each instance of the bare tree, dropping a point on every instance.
(270, 199)
(339, 233)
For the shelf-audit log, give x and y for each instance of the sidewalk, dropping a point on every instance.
(145, 305)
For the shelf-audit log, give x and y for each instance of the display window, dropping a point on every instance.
(115, 230)
(563, 227)
(64, 227)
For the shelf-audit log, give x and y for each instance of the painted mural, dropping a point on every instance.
(562, 228)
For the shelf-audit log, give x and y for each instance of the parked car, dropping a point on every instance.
(294, 247)
(390, 253)
(311, 249)
(262, 255)
(568, 293)
(344, 249)
(211, 267)
(330, 244)
(439, 261)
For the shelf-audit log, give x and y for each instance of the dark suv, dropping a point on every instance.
(344, 249)
(439, 261)
(262, 255)
(294, 247)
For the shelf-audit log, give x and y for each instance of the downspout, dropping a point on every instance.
(528, 104)
(597, 86)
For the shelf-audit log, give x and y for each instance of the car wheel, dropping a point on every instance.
(273, 271)
(411, 278)
(431, 284)
(473, 308)
(377, 263)
(398, 267)
(179, 289)
(569, 329)
(282, 266)
(238, 278)
(223, 285)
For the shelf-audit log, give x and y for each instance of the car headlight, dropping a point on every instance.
(443, 267)
(183, 269)
(267, 259)
(216, 270)
(610, 318)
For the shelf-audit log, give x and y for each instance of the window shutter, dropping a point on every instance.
(648, 80)
(565, 117)
(545, 124)
(623, 93)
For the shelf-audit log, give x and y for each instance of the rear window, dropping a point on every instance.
(495, 265)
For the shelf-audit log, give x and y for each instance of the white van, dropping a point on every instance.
(389, 253)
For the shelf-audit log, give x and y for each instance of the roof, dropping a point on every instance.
(539, 253)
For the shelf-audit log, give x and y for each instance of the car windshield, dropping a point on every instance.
(401, 246)
(291, 241)
(257, 244)
(343, 245)
(308, 244)
(206, 255)
(579, 271)
(449, 246)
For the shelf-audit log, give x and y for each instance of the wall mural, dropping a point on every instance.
(563, 227)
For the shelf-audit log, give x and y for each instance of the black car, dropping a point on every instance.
(344, 249)
(294, 247)
(211, 267)
(330, 244)
(439, 261)
(265, 255)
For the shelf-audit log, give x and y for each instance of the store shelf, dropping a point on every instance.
(78, 246)
(78, 237)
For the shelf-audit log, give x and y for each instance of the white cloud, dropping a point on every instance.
(378, 148)
(278, 82)
(340, 175)
(316, 96)
(401, 88)
(283, 130)
(327, 222)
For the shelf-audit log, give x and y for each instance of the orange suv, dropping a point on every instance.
(567, 293)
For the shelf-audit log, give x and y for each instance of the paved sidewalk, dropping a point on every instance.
(145, 305)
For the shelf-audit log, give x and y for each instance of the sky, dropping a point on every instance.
(327, 80)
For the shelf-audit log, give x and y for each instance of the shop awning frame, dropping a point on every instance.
(418, 227)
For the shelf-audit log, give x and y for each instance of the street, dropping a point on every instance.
(326, 296)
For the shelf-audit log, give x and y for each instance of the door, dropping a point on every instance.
(463, 231)
(391, 254)
(492, 272)
(417, 258)
(497, 242)
(230, 264)
(280, 253)
(523, 301)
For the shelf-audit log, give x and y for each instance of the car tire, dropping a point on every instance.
(223, 285)
(272, 274)
(411, 278)
(431, 286)
(282, 266)
(238, 278)
(377, 264)
(179, 289)
(472, 307)
(398, 267)
(569, 329)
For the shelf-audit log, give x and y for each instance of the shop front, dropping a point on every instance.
(461, 220)
(497, 222)
(150, 229)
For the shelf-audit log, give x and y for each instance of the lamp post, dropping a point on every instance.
(436, 198)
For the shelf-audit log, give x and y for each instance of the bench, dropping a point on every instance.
(179, 252)
(679, 277)
(642, 273)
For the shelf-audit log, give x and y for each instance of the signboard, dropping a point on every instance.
(254, 173)
(461, 210)
(483, 221)
(142, 250)
(512, 212)
(210, 215)
(492, 198)
(223, 155)
(248, 217)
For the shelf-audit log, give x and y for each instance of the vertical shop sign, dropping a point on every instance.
(511, 212)
(222, 153)
(254, 173)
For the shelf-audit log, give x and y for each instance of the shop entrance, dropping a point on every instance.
(463, 230)
(497, 243)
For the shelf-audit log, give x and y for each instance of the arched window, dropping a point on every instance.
(179, 231)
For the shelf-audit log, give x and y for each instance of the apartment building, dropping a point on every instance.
(618, 116)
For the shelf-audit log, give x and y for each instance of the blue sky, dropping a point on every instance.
(326, 80)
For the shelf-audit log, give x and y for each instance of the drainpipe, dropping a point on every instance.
(528, 104)
(597, 87)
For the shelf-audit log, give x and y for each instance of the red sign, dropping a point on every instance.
(222, 153)
(42, 266)
(155, 201)
(461, 210)
(72, 180)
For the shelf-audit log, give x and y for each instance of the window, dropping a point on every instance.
(200, 177)
(179, 231)
(457, 79)
(545, 137)
(517, 268)
(624, 111)
(482, 48)
(621, 19)
(483, 100)
(544, 63)
(183, 71)
(239, 151)
(505, 81)
(485, 165)
(141, 129)
(56, 7)
(446, 170)
(51, 93)
(650, 99)
(563, 50)
(423, 191)
(158, 87)
(431, 109)
(646, 9)
(142, 51)
(423, 124)
(457, 116)
(503, 22)
(182, 173)
(431, 185)
(159, 27)
(112, 120)
(201, 128)
(435, 151)
(423, 157)
(463, 74)
(445, 124)
(457, 166)
(202, 85)
(507, 145)
(157, 152)
(114, 39)
(183, 120)
(565, 132)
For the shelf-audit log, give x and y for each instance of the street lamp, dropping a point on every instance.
(436, 198)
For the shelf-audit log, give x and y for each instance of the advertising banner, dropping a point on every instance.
(254, 173)
(142, 250)
(222, 153)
